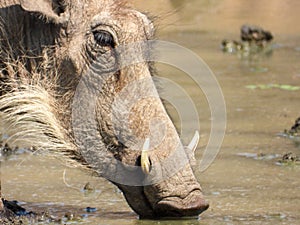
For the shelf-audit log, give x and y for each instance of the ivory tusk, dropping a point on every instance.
(145, 162)
(194, 142)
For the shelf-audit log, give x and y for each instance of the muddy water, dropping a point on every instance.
(245, 184)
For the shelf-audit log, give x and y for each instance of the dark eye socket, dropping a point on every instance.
(104, 38)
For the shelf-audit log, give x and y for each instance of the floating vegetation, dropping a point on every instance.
(295, 129)
(44, 218)
(289, 159)
(259, 156)
(90, 209)
(285, 87)
(15, 214)
(88, 188)
(293, 133)
(70, 218)
(6, 152)
(254, 40)
(15, 208)
(258, 69)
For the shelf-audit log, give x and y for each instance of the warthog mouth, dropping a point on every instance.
(176, 207)
(190, 206)
(143, 202)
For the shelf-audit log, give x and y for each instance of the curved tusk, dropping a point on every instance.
(194, 142)
(145, 162)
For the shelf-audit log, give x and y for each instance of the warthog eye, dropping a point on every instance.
(104, 38)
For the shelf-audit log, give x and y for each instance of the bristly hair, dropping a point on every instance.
(30, 111)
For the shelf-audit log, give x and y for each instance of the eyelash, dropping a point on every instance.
(104, 38)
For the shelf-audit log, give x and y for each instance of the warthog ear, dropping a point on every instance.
(53, 10)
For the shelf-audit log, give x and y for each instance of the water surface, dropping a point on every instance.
(242, 187)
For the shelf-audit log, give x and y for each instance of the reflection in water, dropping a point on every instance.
(241, 190)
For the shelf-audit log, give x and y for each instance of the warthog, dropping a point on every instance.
(57, 57)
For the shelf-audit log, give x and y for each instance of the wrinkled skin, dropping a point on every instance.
(79, 35)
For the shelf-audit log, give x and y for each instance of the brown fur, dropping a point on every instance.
(46, 48)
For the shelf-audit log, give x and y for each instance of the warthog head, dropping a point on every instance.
(76, 81)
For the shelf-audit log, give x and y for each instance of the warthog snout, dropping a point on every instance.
(187, 202)
(164, 185)
(179, 196)
(192, 205)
